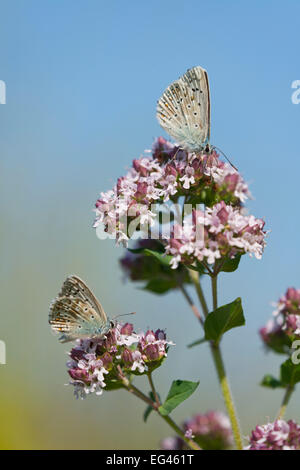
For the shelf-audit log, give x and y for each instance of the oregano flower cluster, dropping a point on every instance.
(103, 363)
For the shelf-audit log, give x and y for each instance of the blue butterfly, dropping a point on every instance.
(184, 111)
(76, 313)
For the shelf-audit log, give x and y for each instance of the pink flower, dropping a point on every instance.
(154, 346)
(280, 435)
(168, 174)
(95, 364)
(127, 356)
(127, 329)
(189, 434)
(287, 312)
(221, 230)
(211, 430)
(222, 214)
(163, 150)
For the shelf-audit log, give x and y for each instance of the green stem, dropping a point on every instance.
(214, 288)
(288, 392)
(135, 391)
(192, 444)
(149, 375)
(194, 275)
(217, 356)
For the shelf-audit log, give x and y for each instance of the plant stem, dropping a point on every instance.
(169, 420)
(217, 355)
(190, 442)
(214, 288)
(288, 392)
(135, 391)
(191, 304)
(149, 375)
(194, 275)
(139, 394)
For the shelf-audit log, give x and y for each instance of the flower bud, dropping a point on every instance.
(149, 336)
(127, 329)
(171, 170)
(77, 354)
(222, 214)
(152, 352)
(127, 356)
(139, 168)
(141, 191)
(231, 181)
(78, 374)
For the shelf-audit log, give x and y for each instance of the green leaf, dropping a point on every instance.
(160, 286)
(271, 382)
(279, 342)
(151, 265)
(231, 264)
(289, 373)
(161, 257)
(147, 413)
(180, 390)
(136, 250)
(159, 247)
(195, 343)
(224, 319)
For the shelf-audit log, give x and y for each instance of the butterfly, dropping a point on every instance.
(76, 312)
(184, 111)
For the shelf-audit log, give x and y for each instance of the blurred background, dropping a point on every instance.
(82, 82)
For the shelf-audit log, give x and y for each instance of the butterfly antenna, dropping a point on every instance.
(219, 150)
(124, 314)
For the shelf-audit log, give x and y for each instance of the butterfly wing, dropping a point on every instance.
(76, 287)
(184, 110)
(76, 313)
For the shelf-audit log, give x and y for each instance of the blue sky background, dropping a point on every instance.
(82, 82)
